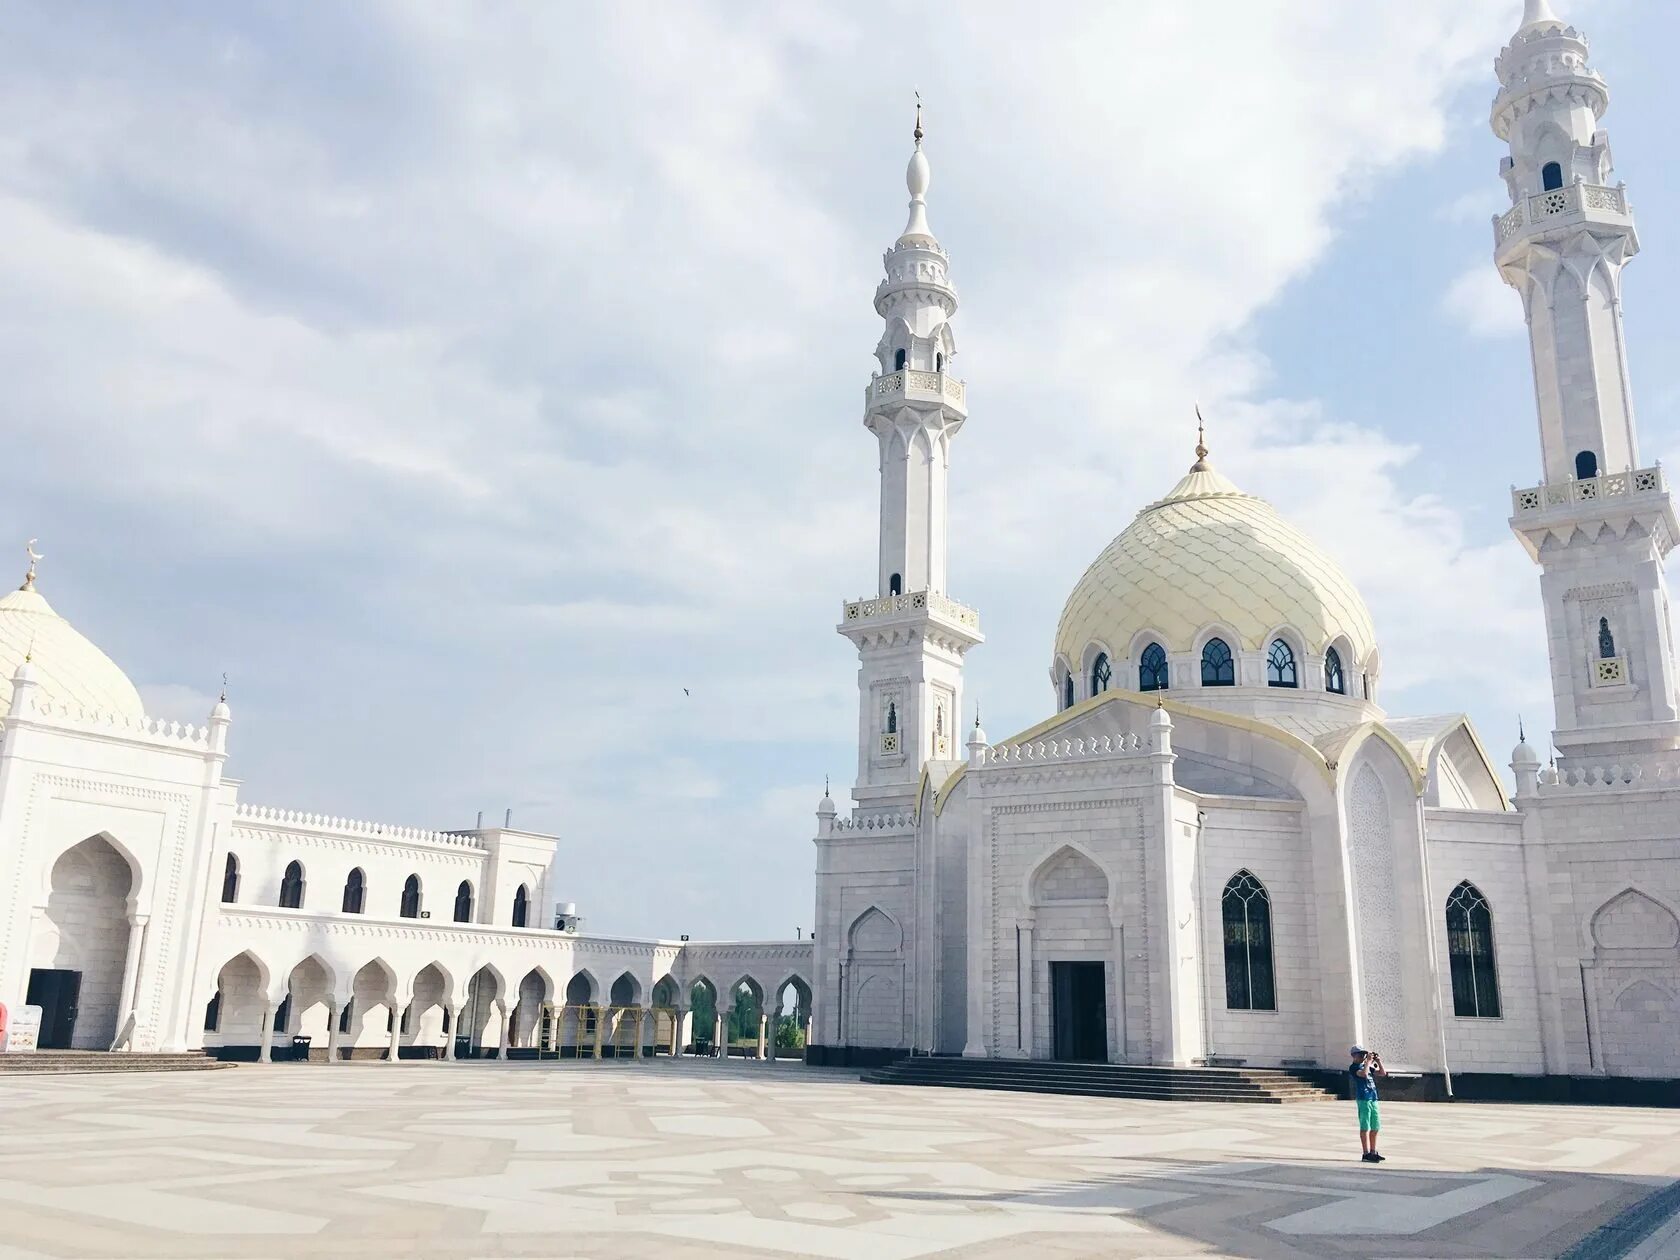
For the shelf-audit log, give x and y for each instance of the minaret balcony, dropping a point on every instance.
(1564, 207)
(1560, 509)
(888, 606)
(1608, 487)
(912, 386)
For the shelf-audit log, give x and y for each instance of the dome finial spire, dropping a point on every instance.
(1535, 11)
(917, 176)
(917, 133)
(1201, 464)
(29, 550)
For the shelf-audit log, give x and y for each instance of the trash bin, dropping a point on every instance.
(300, 1048)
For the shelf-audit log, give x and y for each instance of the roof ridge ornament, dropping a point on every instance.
(29, 550)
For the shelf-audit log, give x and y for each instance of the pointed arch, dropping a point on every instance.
(292, 886)
(136, 871)
(464, 901)
(230, 879)
(626, 990)
(521, 906)
(1218, 664)
(1634, 919)
(1067, 871)
(1470, 953)
(410, 908)
(583, 989)
(1245, 911)
(355, 892)
(875, 932)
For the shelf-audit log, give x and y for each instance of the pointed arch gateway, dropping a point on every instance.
(873, 982)
(1064, 973)
(82, 959)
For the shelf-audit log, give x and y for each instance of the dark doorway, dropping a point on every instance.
(55, 992)
(1079, 1012)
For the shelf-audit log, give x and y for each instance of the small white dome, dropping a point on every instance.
(68, 668)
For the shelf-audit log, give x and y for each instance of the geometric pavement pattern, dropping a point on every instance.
(584, 1159)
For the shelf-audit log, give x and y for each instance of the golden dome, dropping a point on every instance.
(1209, 555)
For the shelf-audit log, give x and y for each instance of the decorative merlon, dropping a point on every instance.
(351, 827)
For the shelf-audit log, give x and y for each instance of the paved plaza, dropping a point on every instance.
(699, 1159)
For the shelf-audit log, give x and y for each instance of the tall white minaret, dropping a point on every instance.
(911, 637)
(1599, 524)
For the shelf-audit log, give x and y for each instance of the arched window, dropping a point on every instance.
(1333, 679)
(1280, 665)
(898, 361)
(230, 880)
(895, 584)
(463, 902)
(521, 906)
(213, 1013)
(1218, 669)
(411, 897)
(892, 717)
(1067, 690)
(939, 362)
(1586, 465)
(1247, 913)
(1551, 176)
(291, 887)
(1606, 645)
(1152, 668)
(355, 892)
(1101, 674)
(1475, 978)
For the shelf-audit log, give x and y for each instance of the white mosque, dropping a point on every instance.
(1222, 848)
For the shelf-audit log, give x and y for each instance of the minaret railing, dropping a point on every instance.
(1557, 201)
(1587, 490)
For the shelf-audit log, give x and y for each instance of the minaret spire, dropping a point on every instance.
(1535, 12)
(917, 176)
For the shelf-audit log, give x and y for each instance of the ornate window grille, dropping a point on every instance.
(1152, 669)
(1247, 914)
(1280, 665)
(1606, 640)
(1333, 677)
(1218, 669)
(1475, 974)
(1102, 674)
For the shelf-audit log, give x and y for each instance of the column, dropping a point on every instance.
(265, 1036)
(679, 1031)
(396, 1030)
(1024, 973)
(602, 1014)
(775, 1018)
(131, 978)
(722, 1046)
(1118, 936)
(454, 1022)
(334, 1006)
(763, 1021)
(507, 1030)
(642, 1013)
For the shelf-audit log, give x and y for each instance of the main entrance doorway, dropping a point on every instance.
(1078, 1012)
(56, 992)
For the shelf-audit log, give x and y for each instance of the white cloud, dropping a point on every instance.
(1484, 304)
(504, 368)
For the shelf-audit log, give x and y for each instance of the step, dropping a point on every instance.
(42, 1061)
(1108, 1080)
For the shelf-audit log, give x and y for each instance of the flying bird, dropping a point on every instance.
(685, 691)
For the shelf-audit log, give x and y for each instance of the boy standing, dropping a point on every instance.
(1364, 1070)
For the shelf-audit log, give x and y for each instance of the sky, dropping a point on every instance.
(468, 381)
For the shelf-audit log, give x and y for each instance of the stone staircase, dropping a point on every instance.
(1107, 1080)
(44, 1061)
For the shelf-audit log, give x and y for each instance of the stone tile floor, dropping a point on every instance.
(747, 1160)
